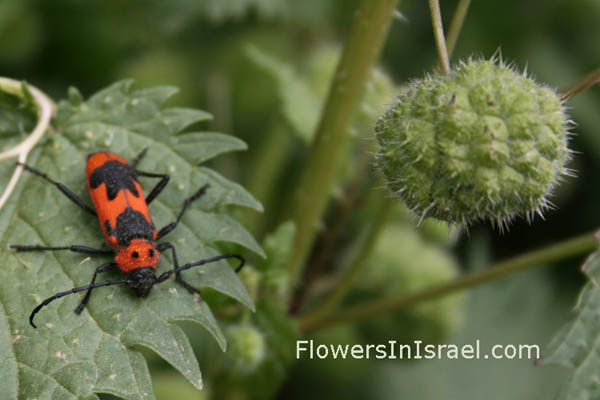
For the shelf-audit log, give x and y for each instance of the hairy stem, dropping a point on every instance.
(456, 25)
(578, 245)
(438, 32)
(581, 85)
(361, 51)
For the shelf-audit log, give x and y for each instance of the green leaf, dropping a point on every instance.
(301, 106)
(75, 356)
(303, 95)
(8, 368)
(200, 147)
(220, 227)
(577, 345)
(278, 246)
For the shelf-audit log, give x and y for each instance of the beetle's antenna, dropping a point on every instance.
(138, 157)
(75, 290)
(167, 274)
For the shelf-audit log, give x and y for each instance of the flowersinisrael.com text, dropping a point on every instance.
(393, 350)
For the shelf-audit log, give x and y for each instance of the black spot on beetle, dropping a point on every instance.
(131, 225)
(116, 176)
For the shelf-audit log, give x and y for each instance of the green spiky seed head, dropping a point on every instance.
(482, 143)
(246, 347)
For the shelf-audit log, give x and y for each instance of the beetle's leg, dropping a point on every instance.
(168, 228)
(66, 191)
(159, 186)
(178, 270)
(164, 179)
(138, 158)
(178, 276)
(101, 268)
(75, 248)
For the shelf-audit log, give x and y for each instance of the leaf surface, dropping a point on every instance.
(577, 345)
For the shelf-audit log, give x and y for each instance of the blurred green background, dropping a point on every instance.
(262, 68)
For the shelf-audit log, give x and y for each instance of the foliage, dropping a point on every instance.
(576, 346)
(96, 351)
(265, 341)
(267, 70)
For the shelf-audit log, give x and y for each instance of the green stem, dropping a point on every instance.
(354, 196)
(438, 32)
(578, 245)
(345, 284)
(361, 51)
(456, 25)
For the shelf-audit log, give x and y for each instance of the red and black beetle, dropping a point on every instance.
(125, 221)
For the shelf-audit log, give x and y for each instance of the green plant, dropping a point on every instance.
(466, 145)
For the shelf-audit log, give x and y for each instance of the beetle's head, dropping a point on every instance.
(142, 280)
(139, 253)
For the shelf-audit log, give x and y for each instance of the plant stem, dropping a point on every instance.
(354, 196)
(456, 25)
(345, 284)
(583, 84)
(578, 245)
(361, 51)
(438, 32)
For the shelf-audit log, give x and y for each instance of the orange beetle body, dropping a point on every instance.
(122, 211)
